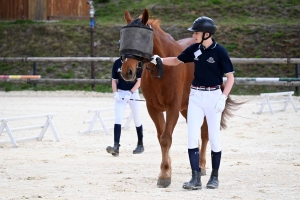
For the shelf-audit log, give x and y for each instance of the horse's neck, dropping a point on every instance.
(165, 45)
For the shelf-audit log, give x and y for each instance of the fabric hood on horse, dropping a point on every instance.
(136, 41)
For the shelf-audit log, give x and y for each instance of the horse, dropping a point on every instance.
(167, 93)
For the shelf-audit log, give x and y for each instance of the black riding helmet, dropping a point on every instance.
(204, 24)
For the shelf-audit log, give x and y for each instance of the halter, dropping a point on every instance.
(138, 58)
(159, 67)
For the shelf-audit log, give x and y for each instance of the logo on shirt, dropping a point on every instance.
(211, 60)
(119, 70)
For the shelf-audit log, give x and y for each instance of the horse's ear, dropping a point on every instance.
(127, 17)
(145, 16)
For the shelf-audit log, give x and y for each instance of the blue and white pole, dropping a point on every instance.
(92, 25)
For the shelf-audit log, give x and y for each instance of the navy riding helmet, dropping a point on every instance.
(204, 24)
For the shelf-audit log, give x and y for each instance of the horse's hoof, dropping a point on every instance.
(203, 172)
(163, 183)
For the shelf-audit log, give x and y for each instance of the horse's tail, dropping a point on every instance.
(230, 106)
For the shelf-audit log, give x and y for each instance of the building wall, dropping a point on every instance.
(14, 9)
(43, 9)
(67, 8)
(37, 9)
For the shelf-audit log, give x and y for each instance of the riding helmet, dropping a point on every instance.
(204, 24)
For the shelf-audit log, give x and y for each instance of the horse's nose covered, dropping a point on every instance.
(129, 73)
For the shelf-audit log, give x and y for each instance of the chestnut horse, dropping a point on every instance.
(169, 93)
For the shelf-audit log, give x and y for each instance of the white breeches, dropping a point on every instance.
(202, 104)
(120, 107)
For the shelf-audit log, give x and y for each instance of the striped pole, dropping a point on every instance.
(266, 81)
(20, 76)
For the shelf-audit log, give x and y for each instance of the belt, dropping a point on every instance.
(204, 88)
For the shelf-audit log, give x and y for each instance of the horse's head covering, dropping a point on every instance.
(204, 24)
(137, 41)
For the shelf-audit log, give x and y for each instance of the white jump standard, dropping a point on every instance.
(98, 117)
(4, 127)
(267, 101)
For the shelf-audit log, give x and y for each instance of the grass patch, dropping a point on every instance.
(230, 47)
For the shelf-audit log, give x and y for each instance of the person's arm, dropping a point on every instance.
(114, 85)
(171, 61)
(229, 83)
(136, 85)
(220, 106)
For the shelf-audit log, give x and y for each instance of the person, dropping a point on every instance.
(206, 98)
(125, 92)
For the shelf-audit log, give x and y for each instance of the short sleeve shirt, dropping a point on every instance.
(210, 64)
(122, 84)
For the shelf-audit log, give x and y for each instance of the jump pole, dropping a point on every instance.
(20, 76)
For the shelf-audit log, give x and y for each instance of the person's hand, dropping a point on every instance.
(116, 96)
(153, 59)
(220, 106)
(127, 96)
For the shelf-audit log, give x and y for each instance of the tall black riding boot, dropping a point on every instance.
(213, 181)
(139, 148)
(113, 150)
(117, 134)
(195, 182)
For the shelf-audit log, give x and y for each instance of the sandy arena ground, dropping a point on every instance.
(260, 157)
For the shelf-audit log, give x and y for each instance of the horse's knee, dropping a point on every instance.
(165, 141)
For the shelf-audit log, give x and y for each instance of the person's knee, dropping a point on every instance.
(216, 147)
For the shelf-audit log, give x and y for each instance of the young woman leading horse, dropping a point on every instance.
(165, 90)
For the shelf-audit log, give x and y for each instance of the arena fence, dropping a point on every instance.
(294, 82)
(238, 81)
(112, 59)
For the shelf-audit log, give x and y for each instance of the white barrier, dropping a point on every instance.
(4, 127)
(98, 117)
(267, 101)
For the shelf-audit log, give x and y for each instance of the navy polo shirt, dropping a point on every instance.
(122, 84)
(210, 64)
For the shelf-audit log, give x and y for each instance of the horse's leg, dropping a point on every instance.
(204, 138)
(164, 179)
(184, 114)
(165, 140)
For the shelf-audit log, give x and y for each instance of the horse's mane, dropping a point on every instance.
(166, 37)
(155, 24)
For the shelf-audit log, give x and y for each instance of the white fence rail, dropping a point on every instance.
(112, 59)
(238, 81)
